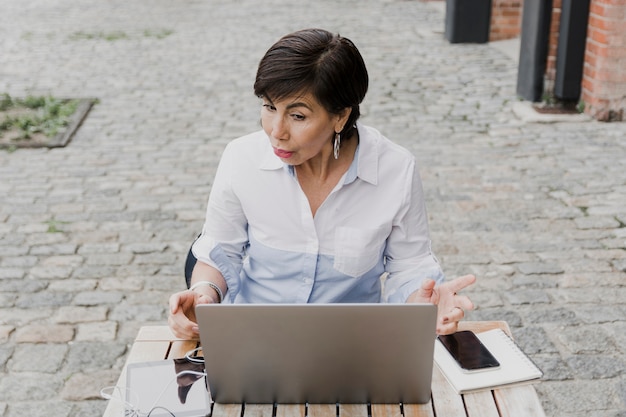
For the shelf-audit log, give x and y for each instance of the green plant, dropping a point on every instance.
(39, 114)
(53, 226)
(32, 102)
(159, 33)
(109, 36)
(5, 102)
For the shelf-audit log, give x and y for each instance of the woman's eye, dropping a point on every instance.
(269, 107)
(297, 117)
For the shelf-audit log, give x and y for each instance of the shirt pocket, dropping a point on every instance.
(357, 250)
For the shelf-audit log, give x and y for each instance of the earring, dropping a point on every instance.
(336, 145)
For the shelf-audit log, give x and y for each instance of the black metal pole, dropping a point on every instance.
(570, 53)
(468, 21)
(535, 36)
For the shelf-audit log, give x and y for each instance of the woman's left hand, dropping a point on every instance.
(451, 307)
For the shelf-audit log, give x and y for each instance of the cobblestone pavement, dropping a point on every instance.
(93, 236)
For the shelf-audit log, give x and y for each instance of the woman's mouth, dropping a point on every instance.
(282, 154)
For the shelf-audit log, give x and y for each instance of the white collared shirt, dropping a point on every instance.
(260, 232)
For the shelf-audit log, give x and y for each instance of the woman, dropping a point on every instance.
(316, 207)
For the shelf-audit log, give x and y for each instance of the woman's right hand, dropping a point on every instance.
(182, 318)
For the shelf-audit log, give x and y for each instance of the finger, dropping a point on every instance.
(426, 289)
(174, 303)
(455, 315)
(463, 302)
(182, 327)
(462, 282)
(448, 328)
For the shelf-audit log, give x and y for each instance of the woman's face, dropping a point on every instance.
(300, 129)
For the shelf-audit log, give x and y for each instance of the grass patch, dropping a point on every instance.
(35, 120)
(109, 36)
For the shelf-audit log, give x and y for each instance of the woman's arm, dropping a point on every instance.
(182, 318)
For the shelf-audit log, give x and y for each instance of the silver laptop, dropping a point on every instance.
(318, 353)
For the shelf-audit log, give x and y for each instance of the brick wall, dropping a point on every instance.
(553, 40)
(604, 76)
(506, 19)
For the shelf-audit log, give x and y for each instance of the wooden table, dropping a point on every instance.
(157, 342)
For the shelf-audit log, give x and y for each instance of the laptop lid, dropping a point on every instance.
(318, 353)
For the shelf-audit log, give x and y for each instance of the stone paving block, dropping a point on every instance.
(598, 397)
(540, 268)
(132, 310)
(8, 273)
(620, 265)
(72, 285)
(589, 314)
(94, 271)
(18, 261)
(29, 357)
(100, 247)
(87, 386)
(527, 296)
(5, 332)
(94, 298)
(586, 340)
(50, 272)
(78, 314)
(43, 299)
(549, 314)
(128, 284)
(534, 340)
(29, 386)
(33, 408)
(553, 367)
(93, 356)
(108, 259)
(42, 333)
(96, 331)
(597, 366)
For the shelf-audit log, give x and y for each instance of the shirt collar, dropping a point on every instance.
(367, 155)
(364, 165)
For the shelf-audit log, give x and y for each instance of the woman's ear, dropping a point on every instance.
(342, 119)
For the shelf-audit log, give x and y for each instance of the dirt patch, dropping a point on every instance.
(556, 108)
(36, 122)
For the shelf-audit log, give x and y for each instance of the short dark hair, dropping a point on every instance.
(315, 61)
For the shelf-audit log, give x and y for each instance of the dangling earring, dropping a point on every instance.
(336, 145)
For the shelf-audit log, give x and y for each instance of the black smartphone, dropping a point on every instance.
(468, 351)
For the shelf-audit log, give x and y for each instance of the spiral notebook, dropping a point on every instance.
(515, 366)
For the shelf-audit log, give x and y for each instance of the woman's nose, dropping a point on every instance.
(279, 130)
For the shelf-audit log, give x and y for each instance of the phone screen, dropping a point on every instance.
(468, 351)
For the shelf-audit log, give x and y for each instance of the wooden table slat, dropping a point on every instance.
(386, 410)
(180, 348)
(446, 402)
(518, 401)
(258, 410)
(352, 410)
(480, 404)
(290, 410)
(154, 333)
(419, 410)
(226, 410)
(322, 410)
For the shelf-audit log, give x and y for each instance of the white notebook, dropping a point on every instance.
(515, 366)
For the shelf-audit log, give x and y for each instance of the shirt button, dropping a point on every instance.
(307, 280)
